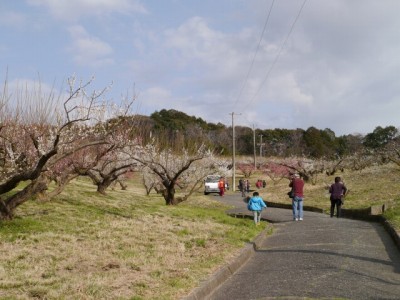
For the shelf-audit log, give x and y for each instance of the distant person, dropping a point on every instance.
(221, 186)
(256, 205)
(264, 184)
(258, 183)
(247, 185)
(297, 185)
(242, 188)
(338, 191)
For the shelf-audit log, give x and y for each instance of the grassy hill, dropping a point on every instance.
(126, 245)
(376, 185)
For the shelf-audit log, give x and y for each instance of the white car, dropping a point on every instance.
(211, 184)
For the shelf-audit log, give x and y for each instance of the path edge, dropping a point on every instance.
(207, 287)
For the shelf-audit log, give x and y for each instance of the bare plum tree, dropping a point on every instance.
(185, 168)
(37, 130)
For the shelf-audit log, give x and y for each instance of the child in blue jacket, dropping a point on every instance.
(256, 204)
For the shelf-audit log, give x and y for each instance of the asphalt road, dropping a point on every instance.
(318, 258)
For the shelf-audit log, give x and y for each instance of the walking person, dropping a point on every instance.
(338, 191)
(221, 186)
(242, 187)
(297, 185)
(247, 186)
(258, 183)
(256, 205)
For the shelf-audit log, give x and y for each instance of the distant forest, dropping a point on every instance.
(278, 142)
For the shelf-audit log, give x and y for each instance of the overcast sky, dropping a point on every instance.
(274, 64)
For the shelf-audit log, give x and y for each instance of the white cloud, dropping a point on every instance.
(89, 50)
(194, 39)
(159, 98)
(156, 95)
(338, 69)
(74, 9)
(25, 86)
(34, 99)
(286, 88)
(13, 19)
(197, 45)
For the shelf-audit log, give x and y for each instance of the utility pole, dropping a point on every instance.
(261, 144)
(254, 147)
(233, 154)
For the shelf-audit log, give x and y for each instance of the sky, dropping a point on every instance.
(259, 63)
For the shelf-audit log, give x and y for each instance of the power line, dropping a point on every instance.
(279, 53)
(255, 54)
(276, 58)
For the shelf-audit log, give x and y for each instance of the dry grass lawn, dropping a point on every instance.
(130, 246)
(121, 246)
(376, 185)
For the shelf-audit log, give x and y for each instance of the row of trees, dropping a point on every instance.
(312, 142)
(310, 152)
(47, 140)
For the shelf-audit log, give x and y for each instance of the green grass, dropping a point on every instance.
(127, 245)
(393, 215)
(376, 185)
(20, 228)
(124, 245)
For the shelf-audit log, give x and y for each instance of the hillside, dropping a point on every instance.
(376, 185)
(126, 245)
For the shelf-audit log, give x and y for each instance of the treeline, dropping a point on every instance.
(43, 150)
(311, 142)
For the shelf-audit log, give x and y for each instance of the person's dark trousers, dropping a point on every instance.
(338, 204)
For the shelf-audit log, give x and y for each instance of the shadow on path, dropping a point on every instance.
(320, 257)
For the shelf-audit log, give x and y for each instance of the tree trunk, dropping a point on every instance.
(169, 195)
(178, 200)
(149, 188)
(61, 183)
(103, 185)
(123, 185)
(8, 206)
(101, 188)
(5, 213)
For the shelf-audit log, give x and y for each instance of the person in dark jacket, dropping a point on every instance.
(242, 187)
(338, 191)
(297, 185)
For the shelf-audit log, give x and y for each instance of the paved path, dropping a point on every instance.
(320, 257)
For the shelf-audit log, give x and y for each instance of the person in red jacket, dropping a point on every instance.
(221, 186)
(297, 185)
(338, 190)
